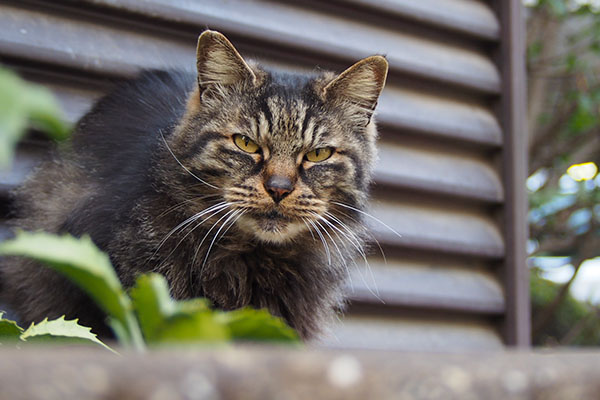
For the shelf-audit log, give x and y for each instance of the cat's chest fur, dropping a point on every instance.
(291, 280)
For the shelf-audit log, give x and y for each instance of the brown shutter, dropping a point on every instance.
(452, 151)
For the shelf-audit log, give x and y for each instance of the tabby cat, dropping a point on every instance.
(239, 184)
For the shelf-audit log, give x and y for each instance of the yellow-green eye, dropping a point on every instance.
(318, 155)
(245, 143)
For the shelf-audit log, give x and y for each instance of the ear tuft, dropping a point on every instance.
(219, 63)
(360, 85)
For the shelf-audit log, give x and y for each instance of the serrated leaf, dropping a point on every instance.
(164, 320)
(88, 267)
(61, 329)
(9, 330)
(257, 325)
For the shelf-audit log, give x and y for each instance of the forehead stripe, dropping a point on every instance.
(319, 131)
(306, 136)
(263, 126)
(254, 126)
(268, 117)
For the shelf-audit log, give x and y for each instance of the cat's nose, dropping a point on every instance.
(279, 187)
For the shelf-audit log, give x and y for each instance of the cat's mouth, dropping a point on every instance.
(272, 221)
(272, 226)
(275, 215)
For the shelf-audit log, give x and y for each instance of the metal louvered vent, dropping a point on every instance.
(452, 156)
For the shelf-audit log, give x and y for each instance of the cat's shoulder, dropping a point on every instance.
(153, 94)
(128, 119)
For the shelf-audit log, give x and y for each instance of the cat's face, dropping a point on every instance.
(278, 149)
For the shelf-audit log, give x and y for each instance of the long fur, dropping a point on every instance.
(153, 176)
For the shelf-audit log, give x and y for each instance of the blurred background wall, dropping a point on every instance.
(452, 169)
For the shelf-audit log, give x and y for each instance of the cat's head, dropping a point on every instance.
(281, 149)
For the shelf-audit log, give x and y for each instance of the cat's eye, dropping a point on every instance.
(318, 155)
(245, 143)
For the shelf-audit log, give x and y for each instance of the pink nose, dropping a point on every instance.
(278, 187)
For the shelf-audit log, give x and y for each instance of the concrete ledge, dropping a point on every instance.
(282, 373)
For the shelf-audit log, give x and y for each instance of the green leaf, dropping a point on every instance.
(88, 267)
(164, 320)
(60, 329)
(9, 330)
(23, 104)
(257, 325)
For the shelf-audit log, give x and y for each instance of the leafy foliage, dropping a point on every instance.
(564, 219)
(47, 331)
(256, 325)
(9, 329)
(573, 323)
(164, 320)
(89, 268)
(57, 329)
(24, 105)
(147, 315)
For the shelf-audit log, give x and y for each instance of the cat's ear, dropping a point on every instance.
(360, 85)
(219, 63)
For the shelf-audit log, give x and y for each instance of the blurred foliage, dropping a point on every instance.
(563, 60)
(573, 323)
(24, 105)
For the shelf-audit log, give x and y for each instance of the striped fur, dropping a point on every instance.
(154, 177)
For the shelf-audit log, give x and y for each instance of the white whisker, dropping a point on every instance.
(212, 212)
(342, 258)
(367, 230)
(193, 218)
(309, 230)
(368, 215)
(181, 204)
(362, 253)
(208, 233)
(233, 214)
(241, 214)
(325, 246)
(181, 226)
(183, 166)
(349, 232)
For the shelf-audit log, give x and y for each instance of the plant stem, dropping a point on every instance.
(135, 333)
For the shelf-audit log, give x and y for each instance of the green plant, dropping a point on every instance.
(574, 323)
(24, 105)
(564, 124)
(47, 331)
(147, 315)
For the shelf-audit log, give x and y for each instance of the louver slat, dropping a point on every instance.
(439, 285)
(294, 26)
(473, 18)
